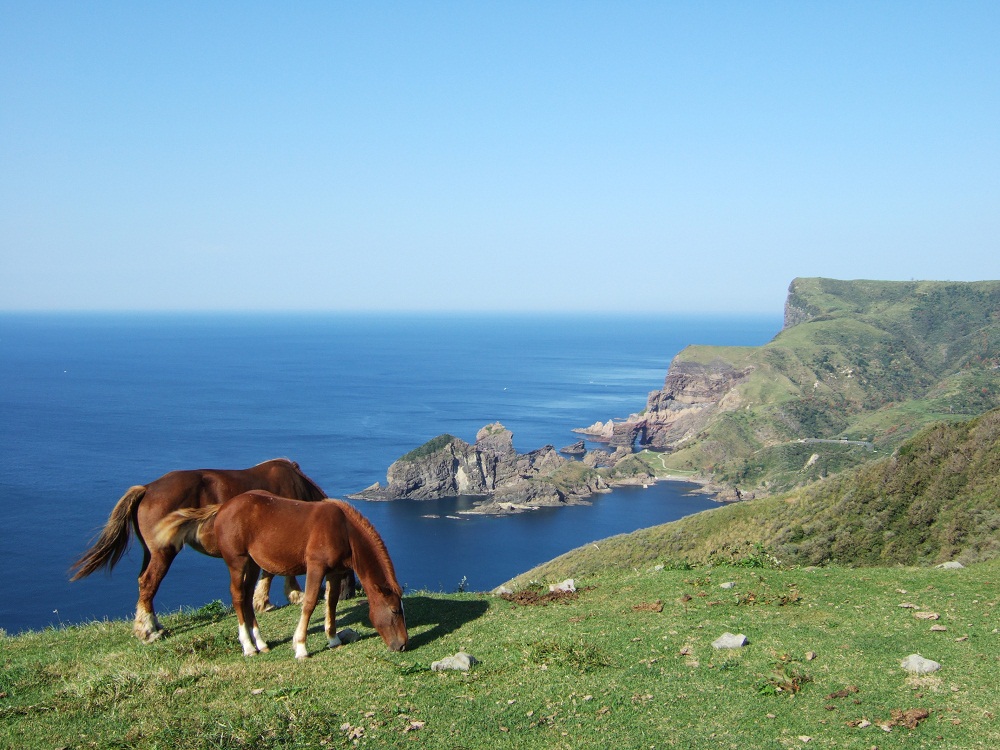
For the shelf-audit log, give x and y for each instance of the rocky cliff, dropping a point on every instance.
(692, 393)
(507, 480)
(856, 363)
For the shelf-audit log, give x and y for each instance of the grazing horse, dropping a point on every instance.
(143, 506)
(323, 540)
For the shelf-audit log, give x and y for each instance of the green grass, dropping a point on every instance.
(602, 670)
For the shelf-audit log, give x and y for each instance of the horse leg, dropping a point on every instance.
(293, 592)
(155, 564)
(262, 593)
(237, 585)
(333, 588)
(314, 579)
(252, 571)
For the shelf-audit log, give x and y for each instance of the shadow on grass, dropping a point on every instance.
(439, 616)
(443, 615)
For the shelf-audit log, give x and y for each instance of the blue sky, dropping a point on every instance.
(554, 156)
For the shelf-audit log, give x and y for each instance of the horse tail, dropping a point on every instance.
(183, 526)
(114, 539)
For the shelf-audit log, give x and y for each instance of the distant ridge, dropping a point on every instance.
(865, 361)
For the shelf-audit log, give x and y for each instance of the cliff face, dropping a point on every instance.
(692, 393)
(448, 466)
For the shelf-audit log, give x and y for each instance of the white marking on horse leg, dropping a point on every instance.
(299, 639)
(259, 641)
(248, 648)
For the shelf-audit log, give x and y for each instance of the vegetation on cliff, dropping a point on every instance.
(867, 361)
(429, 448)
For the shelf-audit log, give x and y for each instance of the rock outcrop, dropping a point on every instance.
(507, 480)
(691, 393)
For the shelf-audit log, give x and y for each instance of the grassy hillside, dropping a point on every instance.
(627, 662)
(936, 499)
(870, 361)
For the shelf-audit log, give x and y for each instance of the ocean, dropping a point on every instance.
(91, 404)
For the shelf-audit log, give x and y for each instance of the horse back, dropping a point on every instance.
(283, 535)
(198, 488)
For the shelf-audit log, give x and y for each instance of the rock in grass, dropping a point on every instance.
(917, 664)
(950, 565)
(728, 640)
(460, 661)
(347, 635)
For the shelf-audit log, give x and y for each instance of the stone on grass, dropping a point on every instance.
(950, 565)
(460, 661)
(348, 636)
(919, 665)
(728, 640)
(728, 585)
(501, 590)
(568, 585)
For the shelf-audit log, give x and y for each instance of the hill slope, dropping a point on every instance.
(936, 499)
(865, 361)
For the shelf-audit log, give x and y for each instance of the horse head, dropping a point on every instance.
(385, 609)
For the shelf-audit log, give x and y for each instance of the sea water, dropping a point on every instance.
(91, 404)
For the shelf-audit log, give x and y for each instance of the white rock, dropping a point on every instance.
(950, 565)
(919, 665)
(728, 585)
(460, 661)
(500, 590)
(728, 640)
(568, 585)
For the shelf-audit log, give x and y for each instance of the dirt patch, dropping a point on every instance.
(656, 606)
(909, 718)
(529, 598)
(849, 690)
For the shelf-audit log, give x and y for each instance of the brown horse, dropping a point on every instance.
(323, 540)
(143, 506)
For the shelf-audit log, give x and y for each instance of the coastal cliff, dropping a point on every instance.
(856, 363)
(491, 468)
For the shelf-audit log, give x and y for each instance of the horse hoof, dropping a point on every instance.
(150, 637)
(295, 597)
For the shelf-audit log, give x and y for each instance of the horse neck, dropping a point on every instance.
(371, 559)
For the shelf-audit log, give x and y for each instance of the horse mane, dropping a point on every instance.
(317, 491)
(278, 458)
(362, 525)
